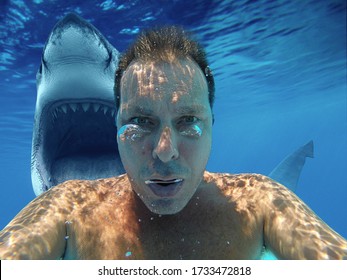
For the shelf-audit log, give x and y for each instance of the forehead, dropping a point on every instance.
(180, 80)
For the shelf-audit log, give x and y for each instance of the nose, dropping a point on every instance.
(166, 149)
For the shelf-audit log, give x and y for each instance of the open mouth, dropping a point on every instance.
(165, 188)
(77, 141)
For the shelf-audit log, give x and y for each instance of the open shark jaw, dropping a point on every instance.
(76, 141)
(165, 188)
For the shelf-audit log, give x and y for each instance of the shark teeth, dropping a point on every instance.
(96, 107)
(73, 107)
(64, 108)
(85, 107)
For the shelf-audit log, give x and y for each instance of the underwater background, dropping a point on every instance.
(280, 73)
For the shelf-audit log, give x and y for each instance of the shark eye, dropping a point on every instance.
(40, 69)
(42, 65)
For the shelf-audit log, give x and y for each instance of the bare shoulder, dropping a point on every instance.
(249, 192)
(43, 221)
(291, 229)
(65, 198)
(84, 192)
(247, 185)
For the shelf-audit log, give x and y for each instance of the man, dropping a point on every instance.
(167, 206)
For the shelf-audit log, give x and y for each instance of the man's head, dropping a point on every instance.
(164, 117)
(164, 44)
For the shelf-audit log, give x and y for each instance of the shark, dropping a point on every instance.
(74, 123)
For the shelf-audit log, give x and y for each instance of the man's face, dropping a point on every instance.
(164, 131)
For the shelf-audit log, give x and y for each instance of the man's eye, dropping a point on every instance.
(140, 120)
(189, 120)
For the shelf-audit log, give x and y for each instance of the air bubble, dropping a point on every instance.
(131, 132)
(128, 254)
(193, 131)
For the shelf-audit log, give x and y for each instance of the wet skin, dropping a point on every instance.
(168, 102)
(167, 206)
(229, 217)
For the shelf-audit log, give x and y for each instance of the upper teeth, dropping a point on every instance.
(85, 107)
(163, 181)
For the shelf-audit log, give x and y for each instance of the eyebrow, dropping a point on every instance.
(182, 110)
(193, 109)
(141, 110)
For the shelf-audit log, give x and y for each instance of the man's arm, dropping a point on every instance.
(37, 232)
(293, 231)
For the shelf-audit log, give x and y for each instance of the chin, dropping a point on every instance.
(165, 206)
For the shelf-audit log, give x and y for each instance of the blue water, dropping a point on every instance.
(280, 70)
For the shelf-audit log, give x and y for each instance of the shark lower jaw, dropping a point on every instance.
(76, 140)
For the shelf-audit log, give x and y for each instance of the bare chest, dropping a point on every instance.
(206, 235)
(198, 239)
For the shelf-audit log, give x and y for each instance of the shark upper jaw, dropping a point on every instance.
(74, 135)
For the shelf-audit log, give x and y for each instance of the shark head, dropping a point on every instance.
(74, 134)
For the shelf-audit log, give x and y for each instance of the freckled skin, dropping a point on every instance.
(211, 216)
